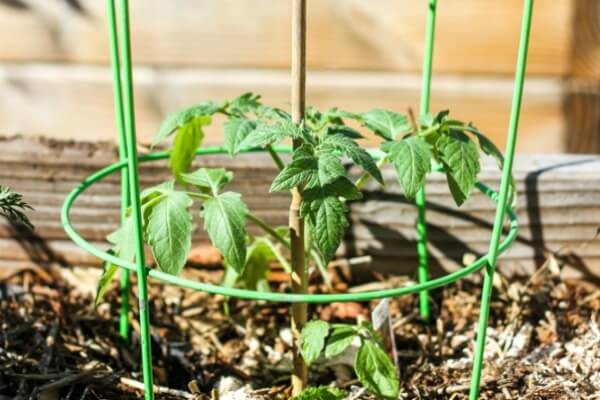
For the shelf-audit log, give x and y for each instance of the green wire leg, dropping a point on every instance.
(515, 113)
(120, 118)
(134, 197)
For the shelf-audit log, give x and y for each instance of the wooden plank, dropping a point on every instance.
(558, 207)
(582, 100)
(342, 34)
(77, 103)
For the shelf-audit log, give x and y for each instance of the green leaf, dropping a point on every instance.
(411, 158)
(376, 371)
(182, 117)
(386, 124)
(341, 187)
(341, 337)
(301, 171)
(461, 159)
(169, 231)
(320, 393)
(247, 102)
(266, 134)
(351, 149)
(209, 180)
(312, 340)
(260, 254)
(329, 168)
(225, 221)
(236, 131)
(109, 271)
(183, 150)
(345, 131)
(326, 216)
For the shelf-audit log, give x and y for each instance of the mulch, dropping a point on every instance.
(543, 341)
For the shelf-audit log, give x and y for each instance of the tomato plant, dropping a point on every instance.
(323, 142)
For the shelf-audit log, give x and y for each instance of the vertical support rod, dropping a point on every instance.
(423, 271)
(486, 293)
(120, 118)
(296, 224)
(134, 193)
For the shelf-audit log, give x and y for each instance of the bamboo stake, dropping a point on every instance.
(296, 224)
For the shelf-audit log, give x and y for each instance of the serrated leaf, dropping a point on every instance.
(320, 393)
(312, 340)
(351, 149)
(179, 118)
(169, 231)
(236, 131)
(209, 180)
(225, 221)
(187, 140)
(341, 187)
(341, 337)
(326, 216)
(300, 171)
(345, 131)
(247, 102)
(376, 371)
(329, 168)
(411, 158)
(461, 159)
(386, 124)
(265, 134)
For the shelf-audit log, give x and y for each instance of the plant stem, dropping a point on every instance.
(275, 157)
(263, 225)
(296, 224)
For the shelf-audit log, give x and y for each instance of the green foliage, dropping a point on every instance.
(169, 229)
(387, 124)
(320, 393)
(180, 118)
(461, 159)
(237, 130)
(225, 221)
(372, 365)
(312, 340)
(411, 158)
(376, 372)
(209, 180)
(187, 140)
(12, 206)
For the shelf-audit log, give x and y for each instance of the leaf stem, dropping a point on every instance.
(275, 157)
(263, 225)
(364, 178)
(429, 131)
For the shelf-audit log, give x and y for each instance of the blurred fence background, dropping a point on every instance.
(55, 81)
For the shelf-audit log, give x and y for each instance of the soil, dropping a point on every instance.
(543, 341)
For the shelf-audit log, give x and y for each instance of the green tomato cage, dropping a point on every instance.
(130, 197)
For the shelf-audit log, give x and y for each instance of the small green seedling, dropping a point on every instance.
(372, 365)
(13, 207)
(316, 175)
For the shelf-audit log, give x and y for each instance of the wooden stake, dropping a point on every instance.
(296, 224)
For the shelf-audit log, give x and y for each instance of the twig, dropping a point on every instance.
(158, 389)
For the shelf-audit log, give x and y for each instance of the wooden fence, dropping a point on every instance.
(55, 80)
(558, 209)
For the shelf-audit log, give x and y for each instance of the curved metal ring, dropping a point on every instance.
(268, 296)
